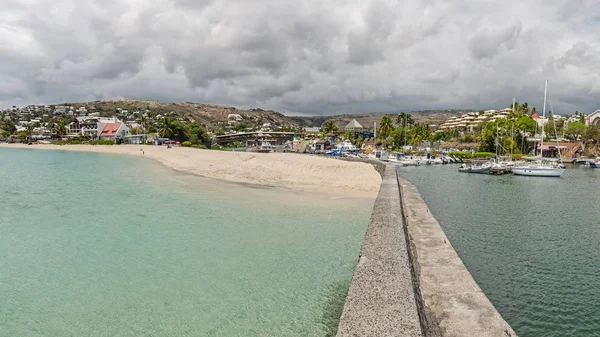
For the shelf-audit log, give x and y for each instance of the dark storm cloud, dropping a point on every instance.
(304, 57)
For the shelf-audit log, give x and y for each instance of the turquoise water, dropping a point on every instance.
(102, 245)
(531, 243)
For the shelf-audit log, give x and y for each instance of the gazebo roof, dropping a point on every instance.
(354, 125)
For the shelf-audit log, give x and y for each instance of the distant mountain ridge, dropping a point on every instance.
(368, 119)
(213, 115)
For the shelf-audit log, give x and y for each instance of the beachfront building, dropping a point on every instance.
(312, 132)
(115, 132)
(88, 126)
(469, 121)
(466, 122)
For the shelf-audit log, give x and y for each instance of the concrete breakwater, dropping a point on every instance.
(409, 280)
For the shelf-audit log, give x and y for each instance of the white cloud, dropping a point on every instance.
(308, 56)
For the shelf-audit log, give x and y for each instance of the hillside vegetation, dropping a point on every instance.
(206, 114)
(212, 115)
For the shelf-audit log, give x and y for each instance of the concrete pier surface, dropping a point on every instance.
(381, 299)
(409, 280)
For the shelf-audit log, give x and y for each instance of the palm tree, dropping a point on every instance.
(329, 127)
(404, 119)
(61, 128)
(29, 131)
(143, 122)
(385, 126)
(524, 108)
(167, 130)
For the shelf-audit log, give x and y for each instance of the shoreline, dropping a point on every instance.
(289, 171)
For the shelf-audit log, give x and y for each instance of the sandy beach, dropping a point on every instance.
(287, 170)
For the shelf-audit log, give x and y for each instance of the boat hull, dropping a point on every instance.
(480, 170)
(538, 171)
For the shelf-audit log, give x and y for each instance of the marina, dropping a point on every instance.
(530, 243)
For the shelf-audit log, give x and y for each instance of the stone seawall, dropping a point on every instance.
(453, 304)
(381, 299)
(409, 281)
(377, 164)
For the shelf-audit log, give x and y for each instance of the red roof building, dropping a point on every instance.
(112, 131)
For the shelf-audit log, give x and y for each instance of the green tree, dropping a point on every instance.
(178, 131)
(220, 130)
(592, 132)
(397, 137)
(385, 127)
(329, 127)
(349, 135)
(167, 128)
(575, 130)
(404, 119)
(29, 131)
(524, 108)
(143, 123)
(61, 128)
(419, 133)
(197, 134)
(9, 127)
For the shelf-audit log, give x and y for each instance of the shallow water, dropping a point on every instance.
(106, 245)
(530, 243)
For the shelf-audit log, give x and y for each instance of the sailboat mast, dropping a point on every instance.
(405, 126)
(375, 131)
(543, 118)
(512, 134)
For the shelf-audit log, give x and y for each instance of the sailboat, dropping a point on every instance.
(540, 168)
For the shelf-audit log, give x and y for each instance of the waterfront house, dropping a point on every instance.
(114, 132)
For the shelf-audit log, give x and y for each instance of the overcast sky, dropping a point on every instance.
(304, 56)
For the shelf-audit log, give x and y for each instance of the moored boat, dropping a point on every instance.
(541, 168)
(538, 170)
(483, 169)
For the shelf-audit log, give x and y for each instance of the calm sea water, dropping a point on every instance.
(101, 245)
(532, 244)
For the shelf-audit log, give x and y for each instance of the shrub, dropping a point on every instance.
(187, 143)
(103, 142)
(460, 154)
(199, 146)
(67, 142)
(149, 142)
(483, 154)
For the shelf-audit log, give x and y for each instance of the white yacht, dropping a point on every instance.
(347, 146)
(540, 168)
(379, 154)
